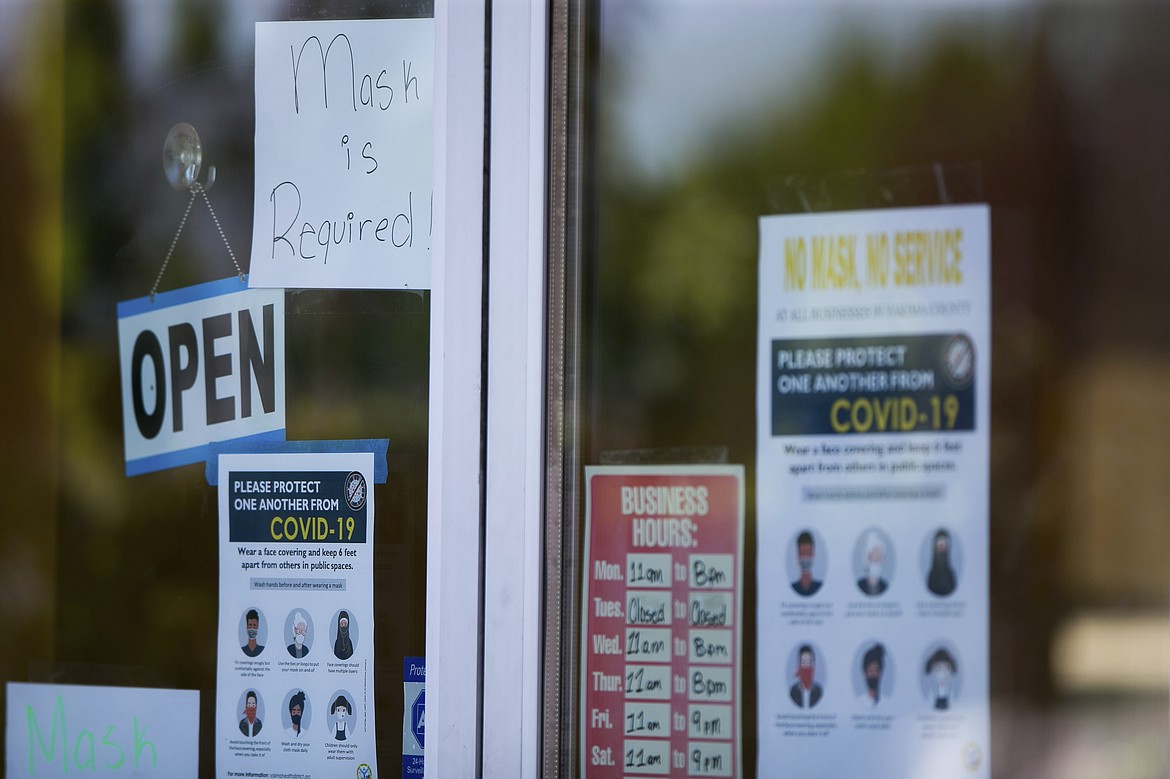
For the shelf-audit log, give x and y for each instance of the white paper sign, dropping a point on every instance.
(296, 626)
(343, 193)
(61, 730)
(200, 364)
(873, 428)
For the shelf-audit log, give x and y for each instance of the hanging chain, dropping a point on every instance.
(175, 240)
(196, 189)
(199, 188)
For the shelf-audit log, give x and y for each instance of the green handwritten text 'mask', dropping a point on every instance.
(116, 749)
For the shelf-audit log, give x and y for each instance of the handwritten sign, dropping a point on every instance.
(54, 730)
(343, 194)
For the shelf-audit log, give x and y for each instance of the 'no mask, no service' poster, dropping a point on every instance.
(872, 433)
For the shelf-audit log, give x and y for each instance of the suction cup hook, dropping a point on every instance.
(183, 157)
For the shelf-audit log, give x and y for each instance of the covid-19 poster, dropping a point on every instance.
(872, 493)
(296, 630)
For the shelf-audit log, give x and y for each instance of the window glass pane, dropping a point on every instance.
(115, 580)
(705, 117)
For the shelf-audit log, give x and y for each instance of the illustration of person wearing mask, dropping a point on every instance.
(296, 711)
(250, 725)
(342, 645)
(873, 662)
(806, 585)
(941, 579)
(299, 647)
(806, 693)
(252, 625)
(341, 709)
(940, 673)
(874, 561)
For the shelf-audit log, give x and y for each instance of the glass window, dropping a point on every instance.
(113, 579)
(695, 120)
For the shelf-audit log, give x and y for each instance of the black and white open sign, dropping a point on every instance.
(200, 364)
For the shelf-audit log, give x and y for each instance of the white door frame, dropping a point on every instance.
(513, 615)
(506, 742)
(453, 467)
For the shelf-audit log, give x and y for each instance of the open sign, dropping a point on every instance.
(200, 364)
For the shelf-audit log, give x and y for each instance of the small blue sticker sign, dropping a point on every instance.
(414, 678)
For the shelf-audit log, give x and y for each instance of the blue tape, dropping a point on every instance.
(377, 446)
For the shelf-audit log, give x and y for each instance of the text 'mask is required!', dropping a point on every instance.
(343, 195)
